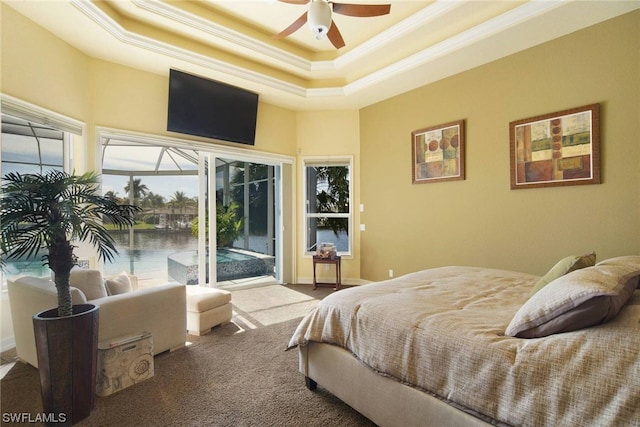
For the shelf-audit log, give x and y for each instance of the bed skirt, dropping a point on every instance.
(381, 399)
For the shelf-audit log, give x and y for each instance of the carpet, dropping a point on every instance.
(230, 377)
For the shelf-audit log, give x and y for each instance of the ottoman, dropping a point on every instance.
(206, 308)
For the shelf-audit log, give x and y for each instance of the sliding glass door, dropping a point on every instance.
(246, 206)
(239, 241)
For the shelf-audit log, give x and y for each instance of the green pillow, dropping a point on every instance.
(564, 266)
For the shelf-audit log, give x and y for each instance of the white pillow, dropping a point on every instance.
(577, 300)
(89, 282)
(120, 284)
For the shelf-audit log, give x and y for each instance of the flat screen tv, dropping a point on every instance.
(203, 107)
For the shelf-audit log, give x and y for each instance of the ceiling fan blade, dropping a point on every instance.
(295, 1)
(293, 27)
(334, 36)
(361, 10)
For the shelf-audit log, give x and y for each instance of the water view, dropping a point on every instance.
(148, 256)
(149, 251)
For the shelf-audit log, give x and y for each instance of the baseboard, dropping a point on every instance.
(345, 282)
(7, 344)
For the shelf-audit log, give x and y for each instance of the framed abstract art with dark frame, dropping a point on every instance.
(556, 149)
(437, 153)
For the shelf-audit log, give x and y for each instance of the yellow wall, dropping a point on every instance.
(129, 99)
(58, 77)
(321, 134)
(480, 221)
(42, 69)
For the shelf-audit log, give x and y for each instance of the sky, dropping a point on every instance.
(166, 186)
(148, 159)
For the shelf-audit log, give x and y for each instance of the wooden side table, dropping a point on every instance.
(335, 261)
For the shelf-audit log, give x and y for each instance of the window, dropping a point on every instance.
(165, 244)
(328, 204)
(29, 147)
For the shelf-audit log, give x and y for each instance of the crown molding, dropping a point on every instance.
(236, 38)
(455, 43)
(528, 11)
(115, 29)
(418, 20)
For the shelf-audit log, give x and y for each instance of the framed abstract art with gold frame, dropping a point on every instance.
(437, 153)
(556, 149)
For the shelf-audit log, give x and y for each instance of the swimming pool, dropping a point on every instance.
(231, 264)
(149, 258)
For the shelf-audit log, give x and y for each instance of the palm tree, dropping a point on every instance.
(334, 197)
(113, 196)
(180, 201)
(228, 228)
(153, 201)
(136, 188)
(50, 211)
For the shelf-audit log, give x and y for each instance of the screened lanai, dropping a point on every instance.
(171, 184)
(170, 179)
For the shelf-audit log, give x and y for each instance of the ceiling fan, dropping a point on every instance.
(318, 15)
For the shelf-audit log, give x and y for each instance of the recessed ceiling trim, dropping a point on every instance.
(531, 10)
(137, 40)
(459, 41)
(409, 24)
(326, 92)
(413, 22)
(237, 38)
(421, 18)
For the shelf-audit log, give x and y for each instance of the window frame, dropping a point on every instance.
(314, 161)
(14, 107)
(213, 151)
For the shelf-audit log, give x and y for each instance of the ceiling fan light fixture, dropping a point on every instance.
(319, 18)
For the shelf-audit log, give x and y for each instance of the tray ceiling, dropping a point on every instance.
(419, 42)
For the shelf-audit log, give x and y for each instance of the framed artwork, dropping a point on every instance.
(556, 149)
(437, 153)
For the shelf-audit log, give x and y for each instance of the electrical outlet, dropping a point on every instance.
(390, 273)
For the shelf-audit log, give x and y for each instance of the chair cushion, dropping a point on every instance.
(89, 282)
(120, 284)
(201, 299)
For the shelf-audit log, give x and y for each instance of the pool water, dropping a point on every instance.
(148, 257)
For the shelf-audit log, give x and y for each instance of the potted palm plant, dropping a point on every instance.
(42, 215)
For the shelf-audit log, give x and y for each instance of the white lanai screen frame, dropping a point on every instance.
(204, 169)
(206, 187)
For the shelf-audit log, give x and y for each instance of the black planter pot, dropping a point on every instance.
(67, 356)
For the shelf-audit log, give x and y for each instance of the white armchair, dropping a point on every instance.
(160, 310)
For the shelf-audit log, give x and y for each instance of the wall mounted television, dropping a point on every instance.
(204, 107)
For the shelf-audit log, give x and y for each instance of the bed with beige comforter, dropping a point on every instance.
(442, 331)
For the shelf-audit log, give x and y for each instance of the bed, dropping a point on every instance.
(458, 346)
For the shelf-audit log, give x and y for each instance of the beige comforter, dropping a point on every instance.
(442, 330)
